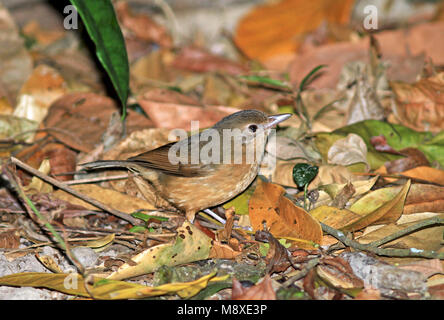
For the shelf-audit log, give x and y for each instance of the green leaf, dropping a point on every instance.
(101, 23)
(303, 173)
(398, 137)
(310, 77)
(145, 217)
(137, 229)
(266, 80)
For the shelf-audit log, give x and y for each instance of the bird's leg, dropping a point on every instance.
(214, 215)
(190, 214)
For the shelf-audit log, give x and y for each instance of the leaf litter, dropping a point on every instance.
(367, 225)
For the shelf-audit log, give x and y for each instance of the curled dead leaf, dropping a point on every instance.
(282, 217)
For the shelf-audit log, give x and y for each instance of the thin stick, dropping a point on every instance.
(420, 225)
(389, 252)
(302, 273)
(85, 198)
(96, 179)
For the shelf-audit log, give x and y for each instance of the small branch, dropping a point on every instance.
(85, 198)
(96, 179)
(302, 273)
(389, 252)
(420, 225)
(29, 205)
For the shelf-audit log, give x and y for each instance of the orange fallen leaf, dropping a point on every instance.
(142, 26)
(61, 158)
(273, 29)
(199, 60)
(424, 198)
(282, 217)
(426, 173)
(173, 115)
(424, 38)
(80, 119)
(222, 251)
(420, 105)
(261, 291)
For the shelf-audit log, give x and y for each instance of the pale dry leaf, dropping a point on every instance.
(349, 150)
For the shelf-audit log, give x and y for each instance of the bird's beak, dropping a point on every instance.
(274, 120)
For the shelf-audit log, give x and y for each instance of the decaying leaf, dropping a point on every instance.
(283, 218)
(114, 199)
(41, 89)
(261, 291)
(423, 198)
(350, 150)
(271, 29)
(421, 105)
(378, 207)
(142, 26)
(425, 239)
(190, 245)
(334, 217)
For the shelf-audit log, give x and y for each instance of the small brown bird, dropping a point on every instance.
(207, 168)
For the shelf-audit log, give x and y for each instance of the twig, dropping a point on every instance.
(85, 198)
(420, 225)
(389, 252)
(96, 179)
(29, 205)
(302, 273)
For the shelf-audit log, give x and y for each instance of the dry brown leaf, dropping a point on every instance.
(169, 96)
(10, 239)
(148, 68)
(15, 62)
(34, 30)
(61, 159)
(413, 158)
(425, 173)
(424, 198)
(261, 291)
(80, 119)
(427, 267)
(379, 207)
(274, 28)
(349, 150)
(142, 26)
(114, 199)
(43, 87)
(419, 39)
(334, 217)
(425, 239)
(368, 294)
(420, 105)
(199, 60)
(172, 116)
(282, 217)
(222, 251)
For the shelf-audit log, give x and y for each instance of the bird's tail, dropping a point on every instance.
(101, 164)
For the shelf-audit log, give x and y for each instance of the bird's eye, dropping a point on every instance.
(252, 127)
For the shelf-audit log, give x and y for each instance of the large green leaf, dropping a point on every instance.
(101, 23)
(398, 137)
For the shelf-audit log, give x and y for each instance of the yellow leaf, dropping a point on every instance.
(190, 245)
(379, 207)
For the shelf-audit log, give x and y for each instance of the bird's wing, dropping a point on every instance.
(158, 159)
